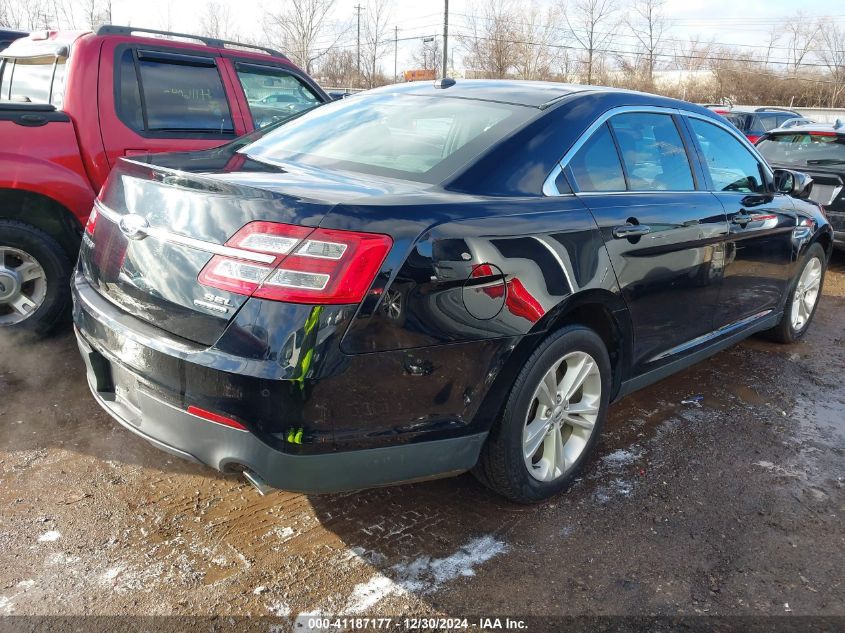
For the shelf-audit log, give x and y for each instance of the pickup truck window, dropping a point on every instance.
(273, 94)
(172, 97)
(32, 80)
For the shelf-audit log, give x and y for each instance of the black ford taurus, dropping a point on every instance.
(430, 278)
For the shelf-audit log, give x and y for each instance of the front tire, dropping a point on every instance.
(34, 279)
(803, 298)
(552, 418)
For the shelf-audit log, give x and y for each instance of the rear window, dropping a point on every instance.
(739, 121)
(33, 80)
(804, 149)
(405, 136)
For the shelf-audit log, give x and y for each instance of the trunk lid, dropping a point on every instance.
(159, 221)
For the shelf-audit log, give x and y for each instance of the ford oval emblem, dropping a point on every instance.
(134, 226)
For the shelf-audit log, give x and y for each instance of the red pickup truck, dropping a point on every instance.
(73, 103)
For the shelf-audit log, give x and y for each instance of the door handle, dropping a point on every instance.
(631, 230)
(741, 218)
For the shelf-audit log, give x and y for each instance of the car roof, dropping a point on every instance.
(764, 111)
(59, 43)
(809, 128)
(537, 94)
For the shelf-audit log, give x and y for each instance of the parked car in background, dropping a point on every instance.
(819, 151)
(755, 123)
(7, 37)
(73, 103)
(790, 123)
(428, 278)
(718, 108)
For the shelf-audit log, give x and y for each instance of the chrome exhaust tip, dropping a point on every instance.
(257, 482)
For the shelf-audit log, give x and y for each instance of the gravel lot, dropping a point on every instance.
(731, 506)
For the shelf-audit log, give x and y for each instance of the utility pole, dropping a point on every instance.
(358, 8)
(446, 39)
(395, 54)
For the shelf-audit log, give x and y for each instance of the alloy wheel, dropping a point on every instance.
(562, 416)
(23, 285)
(806, 294)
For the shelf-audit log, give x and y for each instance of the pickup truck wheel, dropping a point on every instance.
(34, 279)
(552, 419)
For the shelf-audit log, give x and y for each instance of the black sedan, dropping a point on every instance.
(819, 151)
(430, 278)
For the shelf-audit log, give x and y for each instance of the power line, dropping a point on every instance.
(667, 55)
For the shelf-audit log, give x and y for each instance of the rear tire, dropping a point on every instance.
(803, 297)
(34, 279)
(546, 434)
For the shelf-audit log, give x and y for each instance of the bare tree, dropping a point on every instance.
(97, 12)
(301, 25)
(589, 23)
(649, 27)
(374, 39)
(305, 31)
(832, 55)
(429, 55)
(338, 68)
(801, 34)
(536, 52)
(491, 42)
(216, 21)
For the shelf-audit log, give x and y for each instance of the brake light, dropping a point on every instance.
(812, 134)
(92, 222)
(753, 138)
(322, 266)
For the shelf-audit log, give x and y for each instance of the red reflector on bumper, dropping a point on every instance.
(216, 418)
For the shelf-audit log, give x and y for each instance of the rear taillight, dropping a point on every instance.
(92, 222)
(310, 265)
(753, 138)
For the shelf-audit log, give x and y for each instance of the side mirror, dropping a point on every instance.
(337, 96)
(794, 183)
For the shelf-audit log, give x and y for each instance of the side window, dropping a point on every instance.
(129, 94)
(274, 94)
(732, 167)
(770, 121)
(172, 96)
(596, 166)
(654, 155)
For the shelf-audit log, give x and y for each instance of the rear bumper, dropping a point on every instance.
(134, 400)
(190, 437)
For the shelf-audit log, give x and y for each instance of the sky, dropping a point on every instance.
(744, 23)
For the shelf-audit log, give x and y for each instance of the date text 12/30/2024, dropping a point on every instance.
(312, 623)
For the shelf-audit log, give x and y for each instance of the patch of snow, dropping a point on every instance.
(779, 470)
(25, 584)
(423, 575)
(283, 533)
(60, 558)
(259, 590)
(49, 537)
(5, 605)
(620, 458)
(109, 575)
(280, 609)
